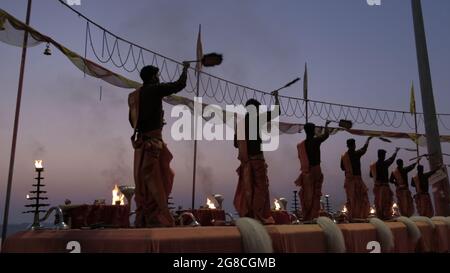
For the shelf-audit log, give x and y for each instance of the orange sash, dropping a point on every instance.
(347, 164)
(417, 183)
(373, 171)
(303, 156)
(400, 182)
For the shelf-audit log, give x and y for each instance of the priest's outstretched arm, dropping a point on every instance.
(410, 167)
(391, 160)
(169, 88)
(326, 134)
(363, 150)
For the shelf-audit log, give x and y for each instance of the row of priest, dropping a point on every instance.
(154, 177)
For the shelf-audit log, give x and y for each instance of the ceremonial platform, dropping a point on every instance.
(304, 238)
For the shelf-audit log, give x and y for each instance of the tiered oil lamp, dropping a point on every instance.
(37, 198)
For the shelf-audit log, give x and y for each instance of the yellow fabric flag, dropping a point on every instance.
(412, 103)
(2, 21)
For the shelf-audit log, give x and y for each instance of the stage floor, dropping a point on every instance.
(285, 239)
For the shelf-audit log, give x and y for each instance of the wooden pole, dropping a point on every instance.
(197, 92)
(194, 171)
(16, 126)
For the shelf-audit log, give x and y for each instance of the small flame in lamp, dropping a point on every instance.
(341, 216)
(38, 165)
(395, 210)
(373, 212)
(117, 197)
(344, 210)
(277, 204)
(210, 204)
(28, 196)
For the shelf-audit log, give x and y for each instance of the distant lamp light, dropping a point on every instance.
(395, 210)
(38, 165)
(372, 212)
(344, 210)
(342, 216)
(210, 204)
(276, 204)
(47, 50)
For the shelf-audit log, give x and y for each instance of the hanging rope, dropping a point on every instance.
(224, 91)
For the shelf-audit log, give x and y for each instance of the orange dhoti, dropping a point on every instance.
(357, 198)
(310, 184)
(252, 194)
(153, 179)
(405, 202)
(383, 200)
(424, 205)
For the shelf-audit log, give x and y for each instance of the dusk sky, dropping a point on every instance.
(357, 54)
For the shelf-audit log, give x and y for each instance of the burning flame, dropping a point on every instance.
(372, 210)
(344, 209)
(28, 196)
(38, 164)
(117, 196)
(277, 204)
(210, 204)
(394, 209)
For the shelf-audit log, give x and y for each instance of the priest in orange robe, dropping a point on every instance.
(422, 196)
(152, 173)
(379, 171)
(358, 205)
(252, 198)
(311, 178)
(399, 177)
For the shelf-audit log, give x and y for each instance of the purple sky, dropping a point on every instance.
(356, 54)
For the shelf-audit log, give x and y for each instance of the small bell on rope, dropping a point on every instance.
(47, 50)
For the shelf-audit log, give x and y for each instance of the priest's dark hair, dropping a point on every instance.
(148, 72)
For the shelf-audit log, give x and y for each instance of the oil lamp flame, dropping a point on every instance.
(277, 204)
(28, 196)
(344, 209)
(117, 196)
(372, 210)
(38, 164)
(395, 210)
(210, 204)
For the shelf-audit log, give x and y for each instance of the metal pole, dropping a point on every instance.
(305, 91)
(16, 126)
(194, 172)
(306, 111)
(417, 136)
(441, 188)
